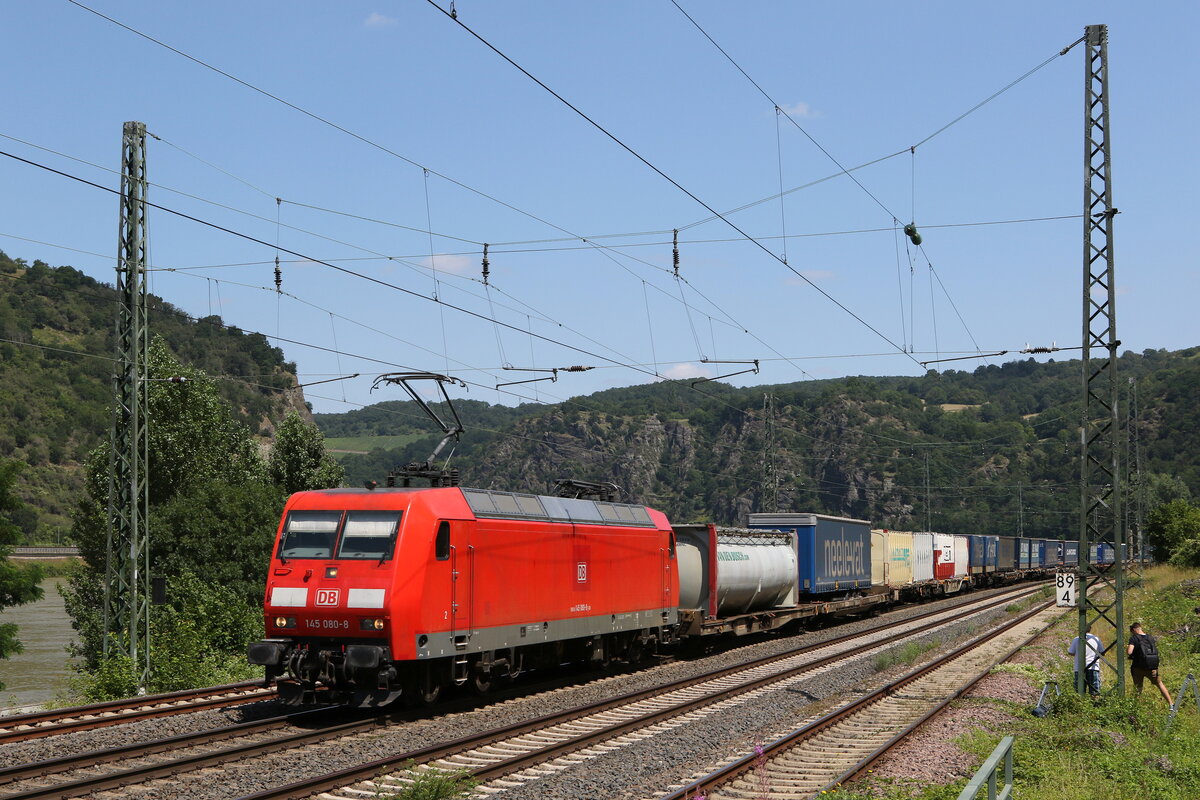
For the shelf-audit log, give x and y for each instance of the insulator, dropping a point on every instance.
(675, 250)
(278, 275)
(910, 230)
(485, 264)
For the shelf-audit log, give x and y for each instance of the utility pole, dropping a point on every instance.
(1102, 587)
(1020, 511)
(771, 484)
(127, 579)
(1133, 461)
(928, 508)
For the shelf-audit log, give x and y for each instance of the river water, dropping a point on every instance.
(39, 673)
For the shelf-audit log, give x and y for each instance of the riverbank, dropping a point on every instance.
(41, 671)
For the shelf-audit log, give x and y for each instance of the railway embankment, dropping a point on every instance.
(1085, 749)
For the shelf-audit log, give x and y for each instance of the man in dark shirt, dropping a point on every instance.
(1143, 653)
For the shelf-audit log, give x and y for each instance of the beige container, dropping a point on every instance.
(900, 555)
(879, 562)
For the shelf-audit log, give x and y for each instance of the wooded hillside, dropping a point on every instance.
(57, 328)
(992, 450)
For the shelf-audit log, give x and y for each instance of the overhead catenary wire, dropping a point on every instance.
(780, 110)
(748, 414)
(664, 175)
(344, 270)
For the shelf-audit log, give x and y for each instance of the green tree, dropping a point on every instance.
(1172, 524)
(298, 460)
(17, 584)
(214, 508)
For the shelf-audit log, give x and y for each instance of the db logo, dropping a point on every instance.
(581, 572)
(327, 597)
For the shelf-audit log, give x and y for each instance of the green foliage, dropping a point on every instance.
(18, 584)
(298, 459)
(214, 509)
(1034, 673)
(852, 447)
(435, 784)
(57, 400)
(1093, 749)
(905, 654)
(197, 639)
(1172, 524)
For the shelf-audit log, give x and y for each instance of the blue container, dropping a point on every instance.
(1023, 553)
(1037, 553)
(833, 553)
(985, 554)
(1008, 554)
(1070, 554)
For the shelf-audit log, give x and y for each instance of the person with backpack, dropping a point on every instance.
(1143, 653)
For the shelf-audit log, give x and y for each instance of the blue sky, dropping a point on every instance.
(510, 165)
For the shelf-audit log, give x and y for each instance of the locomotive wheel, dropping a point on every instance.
(422, 688)
(481, 682)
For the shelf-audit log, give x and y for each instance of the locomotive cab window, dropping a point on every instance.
(309, 534)
(441, 546)
(369, 534)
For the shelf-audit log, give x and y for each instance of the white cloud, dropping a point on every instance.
(687, 369)
(799, 110)
(453, 264)
(377, 20)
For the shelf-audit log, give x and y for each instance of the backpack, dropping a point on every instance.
(1149, 649)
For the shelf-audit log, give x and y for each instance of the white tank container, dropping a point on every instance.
(922, 557)
(756, 570)
(753, 575)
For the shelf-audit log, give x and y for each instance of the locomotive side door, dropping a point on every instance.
(462, 581)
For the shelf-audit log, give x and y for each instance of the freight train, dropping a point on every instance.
(380, 594)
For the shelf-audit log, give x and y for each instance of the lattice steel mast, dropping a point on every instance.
(127, 584)
(1102, 591)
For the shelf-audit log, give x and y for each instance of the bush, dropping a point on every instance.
(198, 639)
(435, 784)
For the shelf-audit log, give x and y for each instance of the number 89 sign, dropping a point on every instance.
(1064, 590)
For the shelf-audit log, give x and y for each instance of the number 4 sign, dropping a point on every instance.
(1064, 590)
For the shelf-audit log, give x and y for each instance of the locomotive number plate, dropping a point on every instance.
(327, 624)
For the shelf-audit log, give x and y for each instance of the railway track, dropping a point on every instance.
(21, 727)
(521, 753)
(109, 769)
(842, 745)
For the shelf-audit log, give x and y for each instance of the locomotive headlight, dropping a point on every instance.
(372, 624)
(285, 622)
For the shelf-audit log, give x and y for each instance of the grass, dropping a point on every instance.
(905, 654)
(1111, 749)
(433, 784)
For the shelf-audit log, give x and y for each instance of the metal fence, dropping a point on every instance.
(987, 774)
(44, 552)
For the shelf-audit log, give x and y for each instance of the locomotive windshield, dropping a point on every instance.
(310, 534)
(369, 534)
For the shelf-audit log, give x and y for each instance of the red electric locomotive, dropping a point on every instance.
(379, 594)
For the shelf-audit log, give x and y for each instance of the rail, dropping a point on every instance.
(987, 774)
